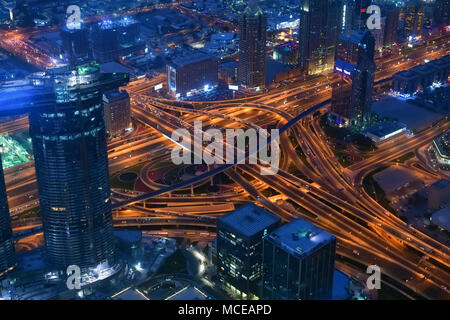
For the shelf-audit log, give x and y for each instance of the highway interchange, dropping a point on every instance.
(330, 195)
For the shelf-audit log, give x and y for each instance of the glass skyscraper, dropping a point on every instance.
(352, 95)
(252, 47)
(320, 24)
(7, 255)
(239, 248)
(298, 262)
(69, 145)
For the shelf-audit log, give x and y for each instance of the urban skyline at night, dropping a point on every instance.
(244, 151)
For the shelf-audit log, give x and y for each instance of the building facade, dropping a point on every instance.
(194, 73)
(441, 146)
(442, 13)
(252, 47)
(414, 18)
(112, 39)
(354, 14)
(351, 96)
(320, 25)
(239, 249)
(117, 111)
(7, 254)
(70, 154)
(298, 263)
(75, 43)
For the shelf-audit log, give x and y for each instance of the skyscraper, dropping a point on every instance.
(239, 248)
(117, 112)
(320, 24)
(298, 262)
(442, 13)
(69, 145)
(75, 43)
(7, 255)
(193, 73)
(414, 18)
(351, 96)
(392, 14)
(355, 14)
(252, 47)
(105, 41)
(112, 39)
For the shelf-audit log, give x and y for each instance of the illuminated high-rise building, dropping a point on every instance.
(414, 18)
(351, 96)
(70, 155)
(195, 73)
(298, 263)
(117, 112)
(7, 254)
(112, 39)
(239, 248)
(320, 24)
(252, 47)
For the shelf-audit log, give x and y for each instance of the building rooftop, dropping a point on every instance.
(406, 74)
(423, 69)
(354, 36)
(249, 219)
(115, 95)
(300, 238)
(386, 129)
(183, 61)
(442, 218)
(441, 184)
(416, 118)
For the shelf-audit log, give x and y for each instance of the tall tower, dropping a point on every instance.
(355, 14)
(252, 47)
(414, 18)
(69, 145)
(392, 14)
(75, 43)
(442, 12)
(351, 96)
(320, 24)
(7, 255)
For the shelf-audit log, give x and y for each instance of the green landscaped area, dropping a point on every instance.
(13, 152)
(162, 164)
(117, 182)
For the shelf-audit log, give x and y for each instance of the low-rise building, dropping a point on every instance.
(385, 131)
(439, 194)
